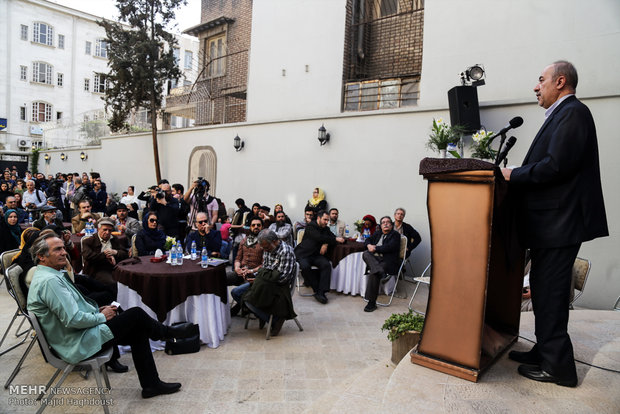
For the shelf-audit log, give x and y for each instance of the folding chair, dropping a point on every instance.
(269, 323)
(5, 261)
(617, 304)
(581, 270)
(96, 363)
(300, 237)
(424, 280)
(18, 313)
(15, 290)
(402, 256)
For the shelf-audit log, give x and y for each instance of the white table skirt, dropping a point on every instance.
(348, 276)
(206, 310)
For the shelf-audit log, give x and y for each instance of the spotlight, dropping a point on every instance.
(473, 75)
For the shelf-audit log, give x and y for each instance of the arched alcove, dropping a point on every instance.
(203, 163)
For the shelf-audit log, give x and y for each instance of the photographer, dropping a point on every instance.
(166, 214)
(199, 200)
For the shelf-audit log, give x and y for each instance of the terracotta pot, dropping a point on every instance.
(403, 344)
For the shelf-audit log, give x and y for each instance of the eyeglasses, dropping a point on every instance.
(255, 225)
(152, 220)
(202, 221)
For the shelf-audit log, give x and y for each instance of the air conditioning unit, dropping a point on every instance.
(24, 143)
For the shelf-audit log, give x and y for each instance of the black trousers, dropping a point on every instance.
(373, 279)
(321, 282)
(550, 283)
(134, 327)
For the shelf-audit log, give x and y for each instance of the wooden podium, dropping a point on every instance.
(474, 300)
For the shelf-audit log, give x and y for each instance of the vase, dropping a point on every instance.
(403, 344)
(442, 153)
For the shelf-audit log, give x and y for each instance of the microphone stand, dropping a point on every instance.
(499, 150)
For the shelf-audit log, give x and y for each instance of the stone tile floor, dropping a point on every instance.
(338, 364)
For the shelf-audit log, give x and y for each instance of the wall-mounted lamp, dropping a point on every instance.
(238, 144)
(473, 75)
(63, 157)
(34, 147)
(83, 156)
(46, 157)
(323, 135)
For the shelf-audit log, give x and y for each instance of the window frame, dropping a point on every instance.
(36, 72)
(101, 48)
(22, 113)
(186, 64)
(98, 86)
(60, 79)
(49, 34)
(36, 111)
(23, 32)
(88, 47)
(23, 73)
(86, 85)
(217, 66)
(61, 41)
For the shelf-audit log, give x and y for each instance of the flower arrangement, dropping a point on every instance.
(399, 323)
(481, 147)
(359, 225)
(443, 134)
(170, 241)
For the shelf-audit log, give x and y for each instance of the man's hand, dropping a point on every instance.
(340, 239)
(108, 311)
(86, 215)
(110, 252)
(323, 249)
(506, 173)
(372, 248)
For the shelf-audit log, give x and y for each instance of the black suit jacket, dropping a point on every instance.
(95, 260)
(390, 249)
(314, 238)
(560, 184)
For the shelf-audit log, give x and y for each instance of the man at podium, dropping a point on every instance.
(560, 206)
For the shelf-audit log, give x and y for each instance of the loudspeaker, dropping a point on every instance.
(464, 111)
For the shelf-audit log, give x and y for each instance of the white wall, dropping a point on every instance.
(371, 163)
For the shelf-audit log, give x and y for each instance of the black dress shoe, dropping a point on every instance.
(320, 297)
(530, 357)
(182, 331)
(116, 366)
(535, 373)
(235, 309)
(370, 307)
(160, 389)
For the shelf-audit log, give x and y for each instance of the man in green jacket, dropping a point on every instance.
(77, 329)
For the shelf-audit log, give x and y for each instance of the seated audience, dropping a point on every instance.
(413, 237)
(283, 229)
(5, 191)
(124, 224)
(131, 196)
(78, 329)
(33, 198)
(253, 214)
(150, 238)
(48, 218)
(226, 238)
(270, 294)
(83, 216)
(10, 231)
(11, 204)
(381, 256)
(308, 217)
(311, 252)
(263, 213)
(277, 208)
(99, 197)
(317, 202)
(248, 261)
(205, 236)
(335, 226)
(370, 224)
(101, 252)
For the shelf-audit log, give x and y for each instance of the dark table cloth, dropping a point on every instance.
(340, 251)
(163, 287)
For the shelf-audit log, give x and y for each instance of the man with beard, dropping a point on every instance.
(335, 226)
(282, 229)
(126, 225)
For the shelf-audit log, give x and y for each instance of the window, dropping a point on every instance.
(58, 116)
(61, 41)
(22, 113)
(189, 56)
(384, 94)
(41, 112)
(387, 7)
(87, 85)
(216, 49)
(42, 72)
(87, 48)
(24, 32)
(60, 79)
(100, 84)
(43, 33)
(23, 73)
(176, 52)
(101, 48)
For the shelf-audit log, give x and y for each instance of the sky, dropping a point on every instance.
(186, 16)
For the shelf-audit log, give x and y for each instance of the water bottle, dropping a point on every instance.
(346, 231)
(179, 254)
(193, 251)
(366, 234)
(30, 219)
(173, 255)
(204, 262)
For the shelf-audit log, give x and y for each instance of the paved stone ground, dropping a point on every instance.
(338, 364)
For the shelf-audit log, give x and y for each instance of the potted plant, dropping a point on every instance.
(443, 135)
(481, 147)
(404, 332)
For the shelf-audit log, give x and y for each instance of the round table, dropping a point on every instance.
(340, 251)
(177, 293)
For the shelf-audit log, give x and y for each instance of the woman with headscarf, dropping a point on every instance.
(150, 238)
(23, 257)
(370, 224)
(317, 202)
(10, 231)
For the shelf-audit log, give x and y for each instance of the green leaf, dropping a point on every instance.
(455, 153)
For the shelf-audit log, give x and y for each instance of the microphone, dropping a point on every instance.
(515, 122)
(502, 155)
